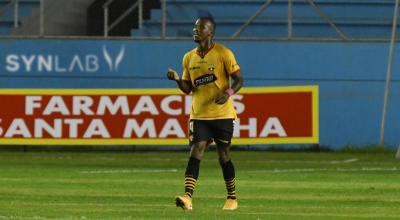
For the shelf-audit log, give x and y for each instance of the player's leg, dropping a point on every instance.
(222, 137)
(193, 166)
(199, 137)
(191, 175)
(228, 171)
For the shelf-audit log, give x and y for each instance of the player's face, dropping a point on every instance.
(202, 30)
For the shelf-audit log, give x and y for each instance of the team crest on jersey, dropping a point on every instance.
(211, 67)
(205, 79)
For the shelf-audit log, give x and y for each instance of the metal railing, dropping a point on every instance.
(138, 4)
(14, 3)
(164, 19)
(107, 28)
(42, 18)
(16, 16)
(264, 4)
(389, 74)
(16, 13)
(290, 19)
(236, 35)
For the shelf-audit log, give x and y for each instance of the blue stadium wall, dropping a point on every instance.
(351, 76)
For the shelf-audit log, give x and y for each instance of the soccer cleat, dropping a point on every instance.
(230, 204)
(185, 202)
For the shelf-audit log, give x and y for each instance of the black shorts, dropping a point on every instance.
(219, 130)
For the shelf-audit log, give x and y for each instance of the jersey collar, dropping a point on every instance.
(198, 52)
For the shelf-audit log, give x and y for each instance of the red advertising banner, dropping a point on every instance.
(266, 115)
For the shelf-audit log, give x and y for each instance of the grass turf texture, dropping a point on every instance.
(143, 185)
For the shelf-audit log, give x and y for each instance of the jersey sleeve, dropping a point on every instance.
(230, 63)
(185, 67)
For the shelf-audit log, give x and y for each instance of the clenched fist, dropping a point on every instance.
(172, 75)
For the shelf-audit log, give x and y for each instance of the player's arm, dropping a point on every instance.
(237, 81)
(184, 85)
(236, 85)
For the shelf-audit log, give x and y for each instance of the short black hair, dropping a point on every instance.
(211, 20)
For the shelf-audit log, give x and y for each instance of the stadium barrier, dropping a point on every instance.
(350, 76)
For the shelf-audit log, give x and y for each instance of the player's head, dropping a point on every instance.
(204, 29)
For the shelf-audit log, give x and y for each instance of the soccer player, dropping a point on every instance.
(207, 70)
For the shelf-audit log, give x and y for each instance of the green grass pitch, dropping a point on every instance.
(143, 185)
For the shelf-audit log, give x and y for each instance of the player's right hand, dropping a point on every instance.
(172, 75)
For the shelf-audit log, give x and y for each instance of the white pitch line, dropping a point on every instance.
(40, 217)
(351, 160)
(22, 217)
(310, 170)
(130, 171)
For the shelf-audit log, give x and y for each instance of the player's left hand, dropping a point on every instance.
(221, 98)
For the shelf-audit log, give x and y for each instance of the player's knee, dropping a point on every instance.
(223, 155)
(196, 153)
(197, 156)
(223, 158)
(197, 150)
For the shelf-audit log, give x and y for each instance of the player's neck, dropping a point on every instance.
(204, 46)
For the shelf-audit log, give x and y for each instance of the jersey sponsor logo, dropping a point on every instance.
(205, 79)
